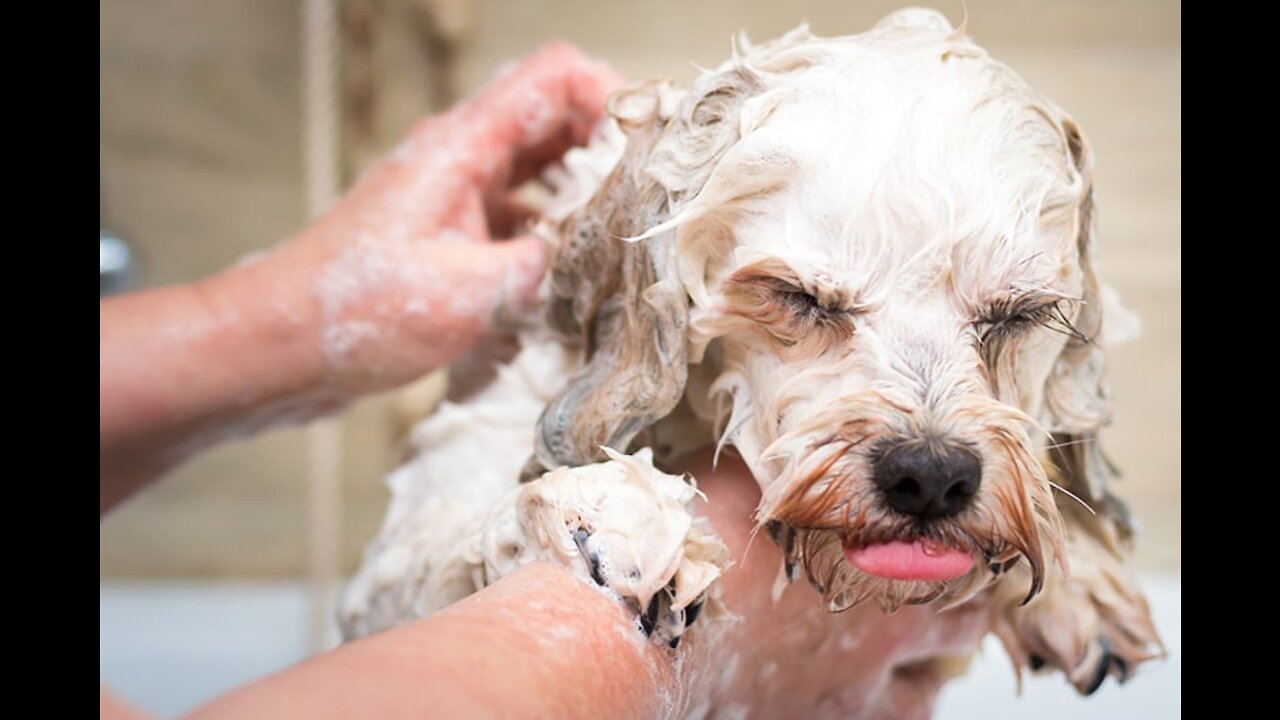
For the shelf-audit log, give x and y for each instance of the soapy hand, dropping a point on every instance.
(414, 265)
(405, 274)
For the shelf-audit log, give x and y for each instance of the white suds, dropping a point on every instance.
(465, 305)
(537, 116)
(252, 258)
(415, 306)
(340, 341)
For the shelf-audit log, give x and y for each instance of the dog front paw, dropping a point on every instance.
(625, 525)
(1091, 625)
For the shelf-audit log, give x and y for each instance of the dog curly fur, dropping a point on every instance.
(824, 248)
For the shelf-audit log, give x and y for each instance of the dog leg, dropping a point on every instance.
(624, 525)
(466, 456)
(1089, 625)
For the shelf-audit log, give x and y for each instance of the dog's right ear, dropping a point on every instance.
(618, 298)
(1096, 622)
(1077, 394)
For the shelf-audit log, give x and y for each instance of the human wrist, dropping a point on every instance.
(264, 340)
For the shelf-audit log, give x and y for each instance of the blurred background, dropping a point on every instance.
(204, 578)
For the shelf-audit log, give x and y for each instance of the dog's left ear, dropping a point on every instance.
(615, 291)
(1076, 393)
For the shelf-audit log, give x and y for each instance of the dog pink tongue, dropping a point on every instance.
(918, 560)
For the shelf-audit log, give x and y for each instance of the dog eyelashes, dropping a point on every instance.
(790, 314)
(803, 305)
(1003, 325)
(1012, 318)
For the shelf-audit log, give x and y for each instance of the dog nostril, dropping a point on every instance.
(958, 491)
(907, 486)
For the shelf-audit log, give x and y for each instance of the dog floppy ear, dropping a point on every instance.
(1096, 622)
(1076, 393)
(618, 298)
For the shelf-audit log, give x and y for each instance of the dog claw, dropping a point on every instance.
(624, 524)
(1110, 663)
(691, 613)
(657, 608)
(658, 620)
(649, 619)
(580, 537)
(1099, 675)
(1090, 673)
(1122, 667)
(665, 623)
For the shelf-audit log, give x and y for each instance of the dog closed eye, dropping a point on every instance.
(1014, 317)
(789, 313)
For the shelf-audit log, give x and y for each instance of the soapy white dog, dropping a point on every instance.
(866, 265)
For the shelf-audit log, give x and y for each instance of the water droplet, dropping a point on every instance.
(933, 549)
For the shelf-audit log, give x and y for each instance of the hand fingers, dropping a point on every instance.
(510, 213)
(502, 214)
(529, 161)
(471, 217)
(458, 291)
(555, 85)
(524, 119)
(551, 99)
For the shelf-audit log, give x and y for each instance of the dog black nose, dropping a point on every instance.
(928, 480)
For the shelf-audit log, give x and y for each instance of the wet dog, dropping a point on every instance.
(865, 264)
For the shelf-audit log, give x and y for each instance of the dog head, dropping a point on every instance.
(878, 248)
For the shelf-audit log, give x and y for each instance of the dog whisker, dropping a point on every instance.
(1073, 496)
(1070, 443)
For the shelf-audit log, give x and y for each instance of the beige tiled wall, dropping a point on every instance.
(200, 139)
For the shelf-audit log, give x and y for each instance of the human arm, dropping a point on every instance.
(399, 278)
(542, 642)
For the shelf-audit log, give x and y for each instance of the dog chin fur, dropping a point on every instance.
(827, 247)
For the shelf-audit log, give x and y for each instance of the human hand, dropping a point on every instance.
(404, 275)
(410, 269)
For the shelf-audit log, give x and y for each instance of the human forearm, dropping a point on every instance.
(185, 366)
(333, 314)
(539, 643)
(544, 643)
